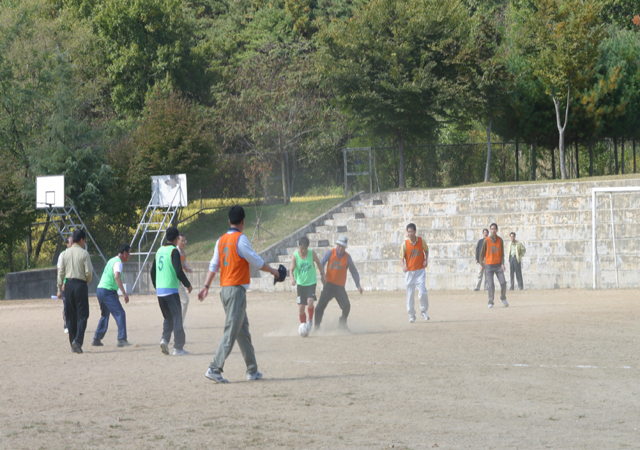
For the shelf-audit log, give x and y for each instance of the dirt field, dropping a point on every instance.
(557, 369)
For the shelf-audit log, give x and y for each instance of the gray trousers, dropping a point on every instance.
(236, 328)
(496, 269)
(184, 300)
(480, 275)
(514, 266)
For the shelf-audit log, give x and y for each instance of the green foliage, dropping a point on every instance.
(73, 147)
(173, 137)
(146, 42)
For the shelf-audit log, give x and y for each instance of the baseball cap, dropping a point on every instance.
(342, 240)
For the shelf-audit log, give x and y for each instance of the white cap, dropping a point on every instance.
(342, 240)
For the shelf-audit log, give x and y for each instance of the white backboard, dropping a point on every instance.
(169, 190)
(50, 191)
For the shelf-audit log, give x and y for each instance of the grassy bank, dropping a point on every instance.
(279, 220)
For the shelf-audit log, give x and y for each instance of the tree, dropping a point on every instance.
(484, 71)
(560, 39)
(16, 208)
(274, 103)
(173, 136)
(392, 66)
(147, 42)
(73, 147)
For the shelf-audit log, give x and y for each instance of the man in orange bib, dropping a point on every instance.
(333, 281)
(414, 256)
(493, 261)
(232, 257)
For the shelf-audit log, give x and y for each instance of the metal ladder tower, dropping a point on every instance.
(155, 221)
(67, 220)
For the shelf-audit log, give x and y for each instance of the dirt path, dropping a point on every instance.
(557, 369)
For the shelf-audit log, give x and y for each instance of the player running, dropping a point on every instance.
(414, 257)
(303, 275)
(335, 279)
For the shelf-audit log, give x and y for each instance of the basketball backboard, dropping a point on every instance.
(169, 190)
(50, 191)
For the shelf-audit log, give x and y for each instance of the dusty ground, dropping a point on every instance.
(557, 369)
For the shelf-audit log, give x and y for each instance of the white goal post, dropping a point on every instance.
(594, 251)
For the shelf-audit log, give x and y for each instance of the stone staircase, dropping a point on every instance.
(552, 220)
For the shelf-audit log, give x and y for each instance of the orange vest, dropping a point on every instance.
(337, 269)
(234, 270)
(494, 251)
(414, 254)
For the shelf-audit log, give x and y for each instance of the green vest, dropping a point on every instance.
(166, 277)
(304, 273)
(108, 280)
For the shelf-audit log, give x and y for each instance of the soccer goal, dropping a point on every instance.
(630, 210)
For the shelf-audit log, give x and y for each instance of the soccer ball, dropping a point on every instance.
(303, 331)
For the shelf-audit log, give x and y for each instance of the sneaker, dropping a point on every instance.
(412, 319)
(123, 343)
(66, 330)
(309, 325)
(75, 347)
(254, 376)
(490, 305)
(97, 343)
(504, 302)
(424, 315)
(180, 352)
(164, 346)
(476, 289)
(215, 376)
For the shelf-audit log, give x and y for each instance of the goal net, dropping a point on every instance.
(615, 226)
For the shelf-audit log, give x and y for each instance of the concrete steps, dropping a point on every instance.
(552, 220)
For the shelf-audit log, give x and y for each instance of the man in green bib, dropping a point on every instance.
(108, 299)
(303, 274)
(166, 275)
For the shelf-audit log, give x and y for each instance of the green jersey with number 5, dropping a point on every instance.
(166, 277)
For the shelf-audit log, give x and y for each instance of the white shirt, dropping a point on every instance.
(244, 251)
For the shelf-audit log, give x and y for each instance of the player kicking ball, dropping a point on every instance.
(304, 276)
(414, 256)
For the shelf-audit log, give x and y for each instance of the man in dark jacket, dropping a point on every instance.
(485, 233)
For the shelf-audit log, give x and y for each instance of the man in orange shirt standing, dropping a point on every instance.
(414, 257)
(333, 281)
(232, 257)
(492, 254)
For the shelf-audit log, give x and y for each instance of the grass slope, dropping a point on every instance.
(203, 232)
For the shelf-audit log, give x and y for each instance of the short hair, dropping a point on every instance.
(484, 229)
(79, 235)
(172, 234)
(236, 215)
(512, 233)
(124, 248)
(303, 241)
(182, 235)
(496, 225)
(412, 226)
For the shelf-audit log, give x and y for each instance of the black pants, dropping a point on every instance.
(515, 266)
(172, 312)
(76, 309)
(329, 292)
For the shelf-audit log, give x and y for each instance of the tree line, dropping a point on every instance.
(110, 92)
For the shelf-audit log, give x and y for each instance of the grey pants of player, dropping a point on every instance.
(236, 328)
(184, 301)
(496, 269)
(480, 275)
(514, 266)
(416, 279)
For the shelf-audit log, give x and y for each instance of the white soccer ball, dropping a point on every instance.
(303, 330)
